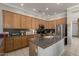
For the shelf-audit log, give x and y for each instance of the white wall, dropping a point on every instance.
(72, 15)
(74, 29)
(75, 17)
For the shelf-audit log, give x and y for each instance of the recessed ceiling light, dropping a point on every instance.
(34, 9)
(47, 8)
(22, 4)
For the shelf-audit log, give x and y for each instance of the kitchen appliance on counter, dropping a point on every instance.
(31, 32)
(41, 31)
(14, 34)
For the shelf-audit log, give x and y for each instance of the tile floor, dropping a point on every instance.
(70, 50)
(73, 49)
(21, 52)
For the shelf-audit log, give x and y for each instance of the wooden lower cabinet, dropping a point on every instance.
(14, 43)
(2, 49)
(24, 41)
(17, 42)
(8, 44)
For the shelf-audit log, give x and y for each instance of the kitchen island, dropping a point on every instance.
(46, 46)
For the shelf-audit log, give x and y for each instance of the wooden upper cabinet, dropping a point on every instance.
(29, 22)
(11, 20)
(37, 23)
(60, 21)
(23, 21)
(33, 23)
(44, 23)
(63, 21)
(51, 24)
(17, 18)
(26, 22)
(8, 19)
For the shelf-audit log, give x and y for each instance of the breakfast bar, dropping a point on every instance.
(49, 46)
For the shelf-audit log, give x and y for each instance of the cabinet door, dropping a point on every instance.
(33, 23)
(47, 24)
(17, 42)
(2, 48)
(60, 21)
(29, 24)
(44, 23)
(17, 21)
(8, 44)
(8, 19)
(51, 24)
(37, 23)
(23, 22)
(24, 41)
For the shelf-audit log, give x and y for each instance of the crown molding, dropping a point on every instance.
(27, 12)
(33, 14)
(61, 15)
(73, 7)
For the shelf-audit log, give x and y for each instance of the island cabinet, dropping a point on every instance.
(50, 49)
(8, 19)
(33, 49)
(8, 44)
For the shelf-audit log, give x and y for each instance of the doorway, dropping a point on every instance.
(75, 28)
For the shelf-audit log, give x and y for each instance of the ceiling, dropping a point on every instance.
(45, 10)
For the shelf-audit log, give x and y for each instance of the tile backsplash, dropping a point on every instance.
(20, 31)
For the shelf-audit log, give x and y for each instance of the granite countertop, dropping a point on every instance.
(44, 42)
